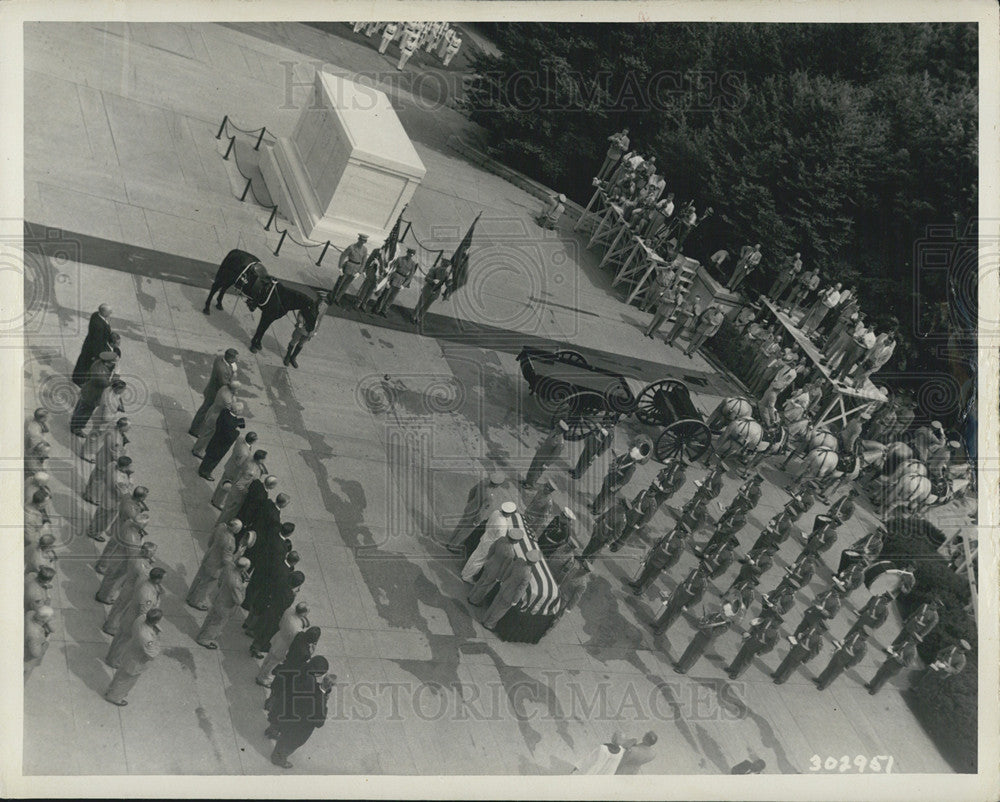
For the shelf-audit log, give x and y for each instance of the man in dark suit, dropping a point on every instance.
(254, 501)
(283, 596)
(98, 377)
(97, 341)
(224, 370)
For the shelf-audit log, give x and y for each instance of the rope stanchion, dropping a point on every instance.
(272, 220)
(325, 248)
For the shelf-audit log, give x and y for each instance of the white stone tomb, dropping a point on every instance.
(348, 166)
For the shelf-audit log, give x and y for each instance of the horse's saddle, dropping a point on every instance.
(255, 283)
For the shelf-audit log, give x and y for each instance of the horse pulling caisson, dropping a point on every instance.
(245, 272)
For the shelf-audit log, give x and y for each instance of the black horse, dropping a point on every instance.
(240, 269)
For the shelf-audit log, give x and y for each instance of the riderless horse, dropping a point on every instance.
(245, 272)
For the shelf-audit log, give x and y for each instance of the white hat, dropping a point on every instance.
(568, 513)
(936, 425)
(508, 507)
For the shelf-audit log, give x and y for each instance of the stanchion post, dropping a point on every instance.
(323, 253)
(281, 241)
(232, 141)
(246, 189)
(222, 127)
(260, 139)
(274, 211)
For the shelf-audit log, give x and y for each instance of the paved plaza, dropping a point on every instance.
(123, 167)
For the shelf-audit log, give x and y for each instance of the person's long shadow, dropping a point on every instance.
(245, 704)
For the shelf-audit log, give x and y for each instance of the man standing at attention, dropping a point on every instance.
(400, 275)
(435, 281)
(352, 262)
(747, 263)
(142, 648)
(685, 312)
(707, 326)
(303, 332)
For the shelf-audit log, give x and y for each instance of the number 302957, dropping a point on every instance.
(860, 764)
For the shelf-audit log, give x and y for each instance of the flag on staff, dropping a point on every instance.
(460, 261)
(389, 246)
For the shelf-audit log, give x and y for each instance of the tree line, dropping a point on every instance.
(854, 145)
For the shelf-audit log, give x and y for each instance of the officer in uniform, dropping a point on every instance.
(607, 527)
(753, 569)
(619, 473)
(951, 660)
(709, 628)
(777, 603)
(303, 332)
(688, 310)
(824, 608)
(725, 530)
(664, 554)
(687, 593)
(718, 559)
(798, 574)
(849, 653)
(873, 615)
(375, 269)
(850, 578)
(401, 272)
(641, 511)
(771, 537)
(549, 450)
(435, 282)
(352, 261)
(905, 657)
(919, 624)
(596, 442)
(823, 536)
(804, 648)
(761, 638)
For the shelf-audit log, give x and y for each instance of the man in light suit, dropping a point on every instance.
(240, 456)
(224, 396)
(142, 648)
(224, 370)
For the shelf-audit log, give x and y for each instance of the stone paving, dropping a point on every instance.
(128, 156)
